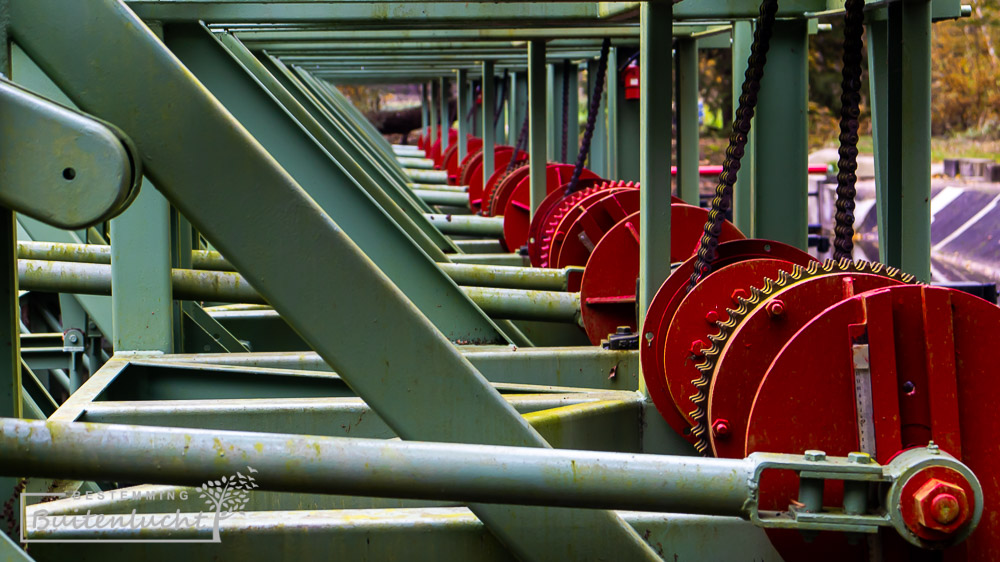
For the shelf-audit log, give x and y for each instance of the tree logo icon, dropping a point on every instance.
(227, 495)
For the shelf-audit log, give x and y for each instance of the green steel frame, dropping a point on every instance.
(363, 308)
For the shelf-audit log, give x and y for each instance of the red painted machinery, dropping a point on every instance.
(776, 352)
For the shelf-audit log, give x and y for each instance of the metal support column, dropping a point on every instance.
(687, 120)
(537, 149)
(626, 135)
(462, 105)
(435, 114)
(597, 160)
(141, 305)
(915, 135)
(611, 87)
(883, 75)
(93, 50)
(743, 191)
(425, 119)
(518, 103)
(782, 175)
(489, 131)
(655, 37)
(10, 319)
(445, 113)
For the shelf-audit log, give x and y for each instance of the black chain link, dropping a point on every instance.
(737, 141)
(522, 139)
(850, 99)
(724, 191)
(595, 107)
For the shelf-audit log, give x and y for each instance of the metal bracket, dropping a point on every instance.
(63, 167)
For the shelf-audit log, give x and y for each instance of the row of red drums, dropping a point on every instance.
(595, 227)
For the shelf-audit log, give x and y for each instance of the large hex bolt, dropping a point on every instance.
(941, 506)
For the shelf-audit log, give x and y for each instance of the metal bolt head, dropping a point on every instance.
(73, 338)
(623, 330)
(859, 458)
(775, 308)
(941, 506)
(698, 348)
(815, 456)
(933, 449)
(739, 294)
(720, 428)
(712, 317)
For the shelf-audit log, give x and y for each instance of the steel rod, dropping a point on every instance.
(415, 163)
(468, 224)
(427, 176)
(374, 467)
(474, 275)
(222, 286)
(441, 197)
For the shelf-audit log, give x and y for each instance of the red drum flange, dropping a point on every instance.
(452, 164)
(596, 215)
(545, 210)
(759, 337)
(472, 175)
(563, 205)
(516, 203)
(668, 298)
(506, 182)
(933, 377)
(607, 293)
(697, 317)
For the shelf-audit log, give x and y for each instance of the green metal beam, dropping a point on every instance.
(687, 121)
(915, 132)
(537, 145)
(310, 37)
(656, 82)
(782, 117)
(488, 93)
(142, 306)
(424, 533)
(337, 193)
(744, 191)
(462, 107)
(94, 51)
(510, 14)
(445, 113)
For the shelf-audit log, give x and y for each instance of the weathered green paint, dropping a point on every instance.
(445, 113)
(625, 135)
(140, 269)
(915, 132)
(489, 130)
(654, 150)
(537, 145)
(687, 121)
(782, 173)
(744, 192)
(311, 164)
(222, 159)
(462, 107)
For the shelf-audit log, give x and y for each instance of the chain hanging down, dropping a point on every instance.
(737, 141)
(850, 99)
(595, 106)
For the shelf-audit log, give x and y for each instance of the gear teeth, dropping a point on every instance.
(706, 367)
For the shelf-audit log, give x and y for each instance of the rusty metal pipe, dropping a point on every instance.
(374, 467)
